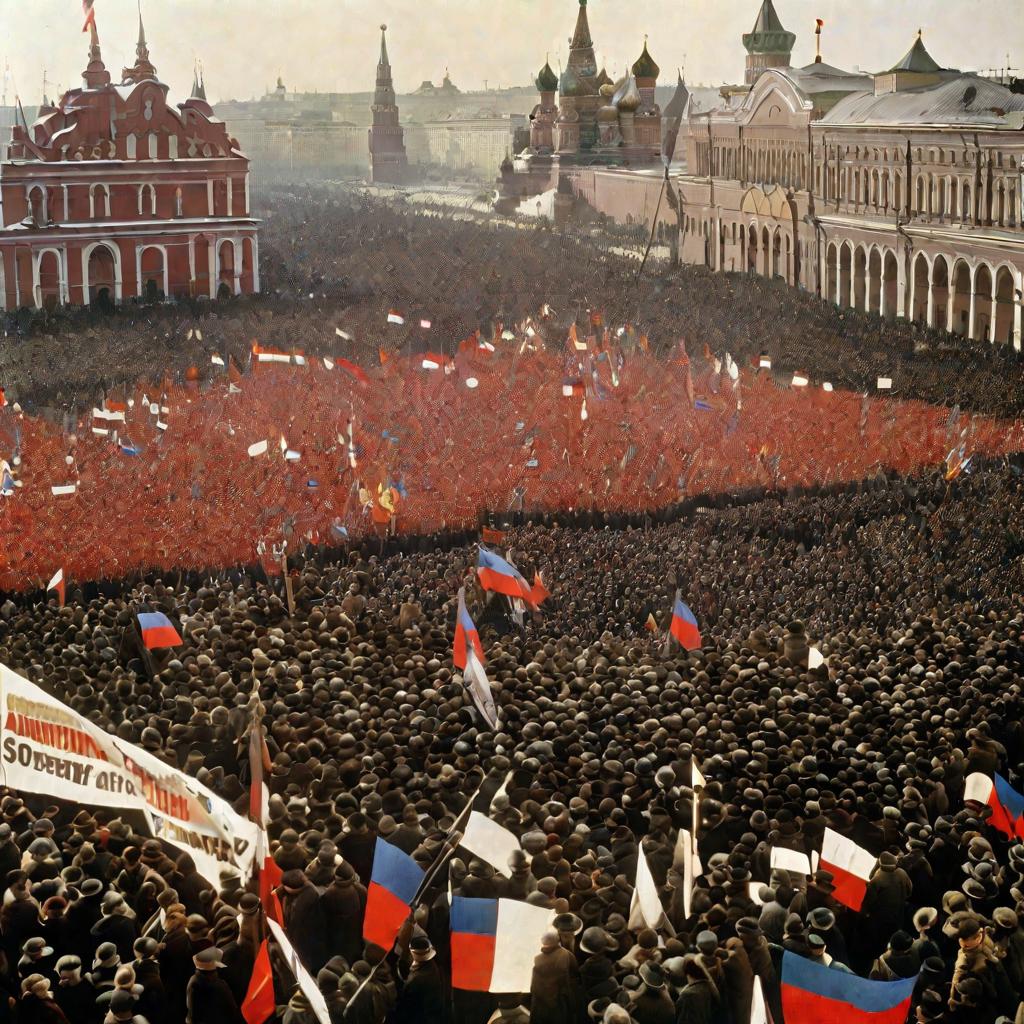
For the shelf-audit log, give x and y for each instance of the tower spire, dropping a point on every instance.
(383, 62)
(95, 75)
(143, 69)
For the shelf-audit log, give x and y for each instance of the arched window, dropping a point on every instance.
(172, 147)
(99, 201)
(177, 202)
(147, 201)
(131, 145)
(153, 145)
(37, 205)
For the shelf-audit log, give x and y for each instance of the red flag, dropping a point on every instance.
(57, 584)
(258, 1004)
(819, 22)
(539, 593)
(651, 625)
(270, 879)
(90, 14)
(493, 536)
(351, 368)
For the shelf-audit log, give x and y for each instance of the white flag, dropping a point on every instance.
(520, 928)
(827, 386)
(885, 383)
(216, 360)
(699, 782)
(645, 909)
(57, 491)
(815, 659)
(487, 840)
(758, 1009)
(328, 363)
(799, 380)
(344, 335)
(480, 689)
(790, 860)
(56, 581)
(687, 861)
(259, 448)
(425, 324)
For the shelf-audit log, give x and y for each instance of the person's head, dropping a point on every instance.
(970, 934)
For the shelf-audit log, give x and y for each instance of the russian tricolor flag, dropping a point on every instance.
(465, 634)
(684, 625)
(157, 631)
(500, 576)
(494, 943)
(851, 866)
(394, 882)
(1006, 803)
(812, 993)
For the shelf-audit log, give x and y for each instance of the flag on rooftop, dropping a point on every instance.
(394, 881)
(813, 992)
(495, 942)
(157, 631)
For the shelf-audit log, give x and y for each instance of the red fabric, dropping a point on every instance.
(850, 888)
(270, 879)
(162, 636)
(490, 579)
(686, 633)
(259, 1004)
(802, 1007)
(385, 915)
(472, 961)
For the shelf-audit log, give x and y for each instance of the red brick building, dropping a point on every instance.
(114, 195)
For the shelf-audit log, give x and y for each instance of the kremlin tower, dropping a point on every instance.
(388, 160)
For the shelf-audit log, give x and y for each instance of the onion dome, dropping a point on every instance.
(602, 79)
(608, 112)
(645, 66)
(507, 167)
(570, 85)
(547, 80)
(628, 97)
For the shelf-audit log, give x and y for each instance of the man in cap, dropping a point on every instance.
(304, 919)
(652, 1005)
(555, 993)
(208, 998)
(421, 994)
(152, 1001)
(73, 994)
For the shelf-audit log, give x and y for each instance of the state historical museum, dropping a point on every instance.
(114, 195)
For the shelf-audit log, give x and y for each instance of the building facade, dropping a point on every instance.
(113, 194)
(388, 160)
(897, 194)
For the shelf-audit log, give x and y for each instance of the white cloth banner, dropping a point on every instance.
(645, 909)
(790, 860)
(49, 749)
(308, 986)
(517, 944)
(487, 840)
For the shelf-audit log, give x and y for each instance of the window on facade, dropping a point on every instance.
(172, 147)
(99, 201)
(154, 145)
(177, 203)
(131, 144)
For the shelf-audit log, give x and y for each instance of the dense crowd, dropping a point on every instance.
(666, 456)
(909, 587)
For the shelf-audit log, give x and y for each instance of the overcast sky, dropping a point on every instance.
(331, 45)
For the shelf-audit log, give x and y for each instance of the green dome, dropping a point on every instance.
(547, 80)
(570, 84)
(645, 66)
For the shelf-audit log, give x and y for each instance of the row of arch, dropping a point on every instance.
(218, 269)
(940, 197)
(970, 298)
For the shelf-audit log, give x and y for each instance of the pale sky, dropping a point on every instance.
(332, 45)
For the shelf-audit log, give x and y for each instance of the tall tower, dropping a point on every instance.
(768, 44)
(579, 88)
(388, 160)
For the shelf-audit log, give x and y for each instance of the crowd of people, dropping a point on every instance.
(909, 588)
(634, 438)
